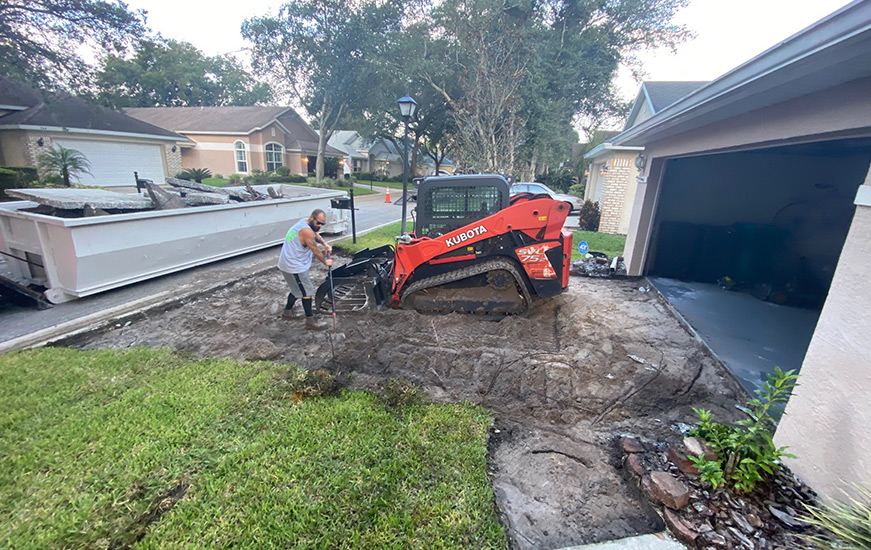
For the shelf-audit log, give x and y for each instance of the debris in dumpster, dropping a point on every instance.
(599, 265)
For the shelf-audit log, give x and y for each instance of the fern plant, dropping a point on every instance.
(195, 174)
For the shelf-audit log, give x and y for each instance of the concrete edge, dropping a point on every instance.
(94, 321)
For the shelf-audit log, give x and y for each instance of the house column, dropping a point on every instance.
(641, 222)
(828, 421)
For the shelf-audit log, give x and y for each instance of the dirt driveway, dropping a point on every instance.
(601, 360)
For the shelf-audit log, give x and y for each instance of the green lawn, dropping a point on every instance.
(612, 245)
(99, 445)
(378, 237)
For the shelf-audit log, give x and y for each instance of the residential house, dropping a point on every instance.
(355, 148)
(114, 144)
(238, 140)
(761, 179)
(385, 158)
(613, 172)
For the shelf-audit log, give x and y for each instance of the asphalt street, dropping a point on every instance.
(24, 327)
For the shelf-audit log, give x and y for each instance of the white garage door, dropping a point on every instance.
(113, 163)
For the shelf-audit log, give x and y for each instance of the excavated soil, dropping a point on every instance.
(603, 359)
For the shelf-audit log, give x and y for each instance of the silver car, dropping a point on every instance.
(542, 189)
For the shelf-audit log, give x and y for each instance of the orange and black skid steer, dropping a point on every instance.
(474, 249)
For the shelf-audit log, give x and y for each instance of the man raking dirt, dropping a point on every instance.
(295, 260)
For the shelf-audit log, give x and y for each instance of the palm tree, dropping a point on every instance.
(65, 162)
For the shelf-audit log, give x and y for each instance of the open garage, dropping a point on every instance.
(753, 220)
(745, 246)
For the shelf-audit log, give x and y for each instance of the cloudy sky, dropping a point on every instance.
(728, 32)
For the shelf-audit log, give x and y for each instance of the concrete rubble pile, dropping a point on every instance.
(82, 203)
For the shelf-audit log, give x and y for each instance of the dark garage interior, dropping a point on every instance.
(745, 246)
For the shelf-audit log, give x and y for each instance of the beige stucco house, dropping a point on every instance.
(237, 140)
(762, 175)
(115, 145)
(613, 175)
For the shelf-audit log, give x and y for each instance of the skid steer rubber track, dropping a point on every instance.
(493, 288)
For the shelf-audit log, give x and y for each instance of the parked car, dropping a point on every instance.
(542, 189)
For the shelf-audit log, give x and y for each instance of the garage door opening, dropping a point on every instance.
(745, 246)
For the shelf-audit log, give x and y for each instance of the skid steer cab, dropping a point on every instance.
(474, 249)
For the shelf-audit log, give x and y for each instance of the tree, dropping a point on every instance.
(322, 52)
(67, 163)
(167, 73)
(40, 39)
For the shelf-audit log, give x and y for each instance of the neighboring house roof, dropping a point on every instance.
(831, 52)
(349, 142)
(15, 96)
(69, 114)
(312, 148)
(209, 120)
(657, 95)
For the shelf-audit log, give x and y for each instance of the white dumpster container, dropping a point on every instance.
(83, 256)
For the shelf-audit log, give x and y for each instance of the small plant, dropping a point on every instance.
(66, 163)
(401, 393)
(846, 523)
(219, 176)
(588, 217)
(577, 190)
(258, 177)
(303, 383)
(235, 179)
(746, 454)
(282, 171)
(195, 174)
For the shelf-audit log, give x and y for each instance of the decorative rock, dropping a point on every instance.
(668, 490)
(754, 520)
(742, 523)
(679, 459)
(634, 463)
(713, 538)
(702, 510)
(680, 529)
(695, 446)
(738, 535)
(631, 445)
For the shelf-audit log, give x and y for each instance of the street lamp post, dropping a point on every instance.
(407, 106)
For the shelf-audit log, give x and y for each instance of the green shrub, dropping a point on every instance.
(195, 174)
(746, 454)
(589, 215)
(282, 171)
(16, 177)
(257, 177)
(292, 178)
(846, 524)
(235, 179)
(558, 180)
(367, 176)
(577, 190)
(219, 176)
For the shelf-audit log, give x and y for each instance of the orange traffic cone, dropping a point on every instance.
(387, 198)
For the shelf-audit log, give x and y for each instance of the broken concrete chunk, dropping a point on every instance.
(192, 198)
(273, 193)
(163, 199)
(668, 490)
(75, 199)
(202, 187)
(634, 463)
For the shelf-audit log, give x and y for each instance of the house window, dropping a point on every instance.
(274, 153)
(241, 158)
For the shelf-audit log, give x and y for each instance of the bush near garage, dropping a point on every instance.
(289, 178)
(588, 217)
(16, 177)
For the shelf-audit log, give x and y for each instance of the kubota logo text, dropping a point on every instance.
(465, 236)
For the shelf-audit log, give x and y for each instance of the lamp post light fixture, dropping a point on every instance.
(407, 107)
